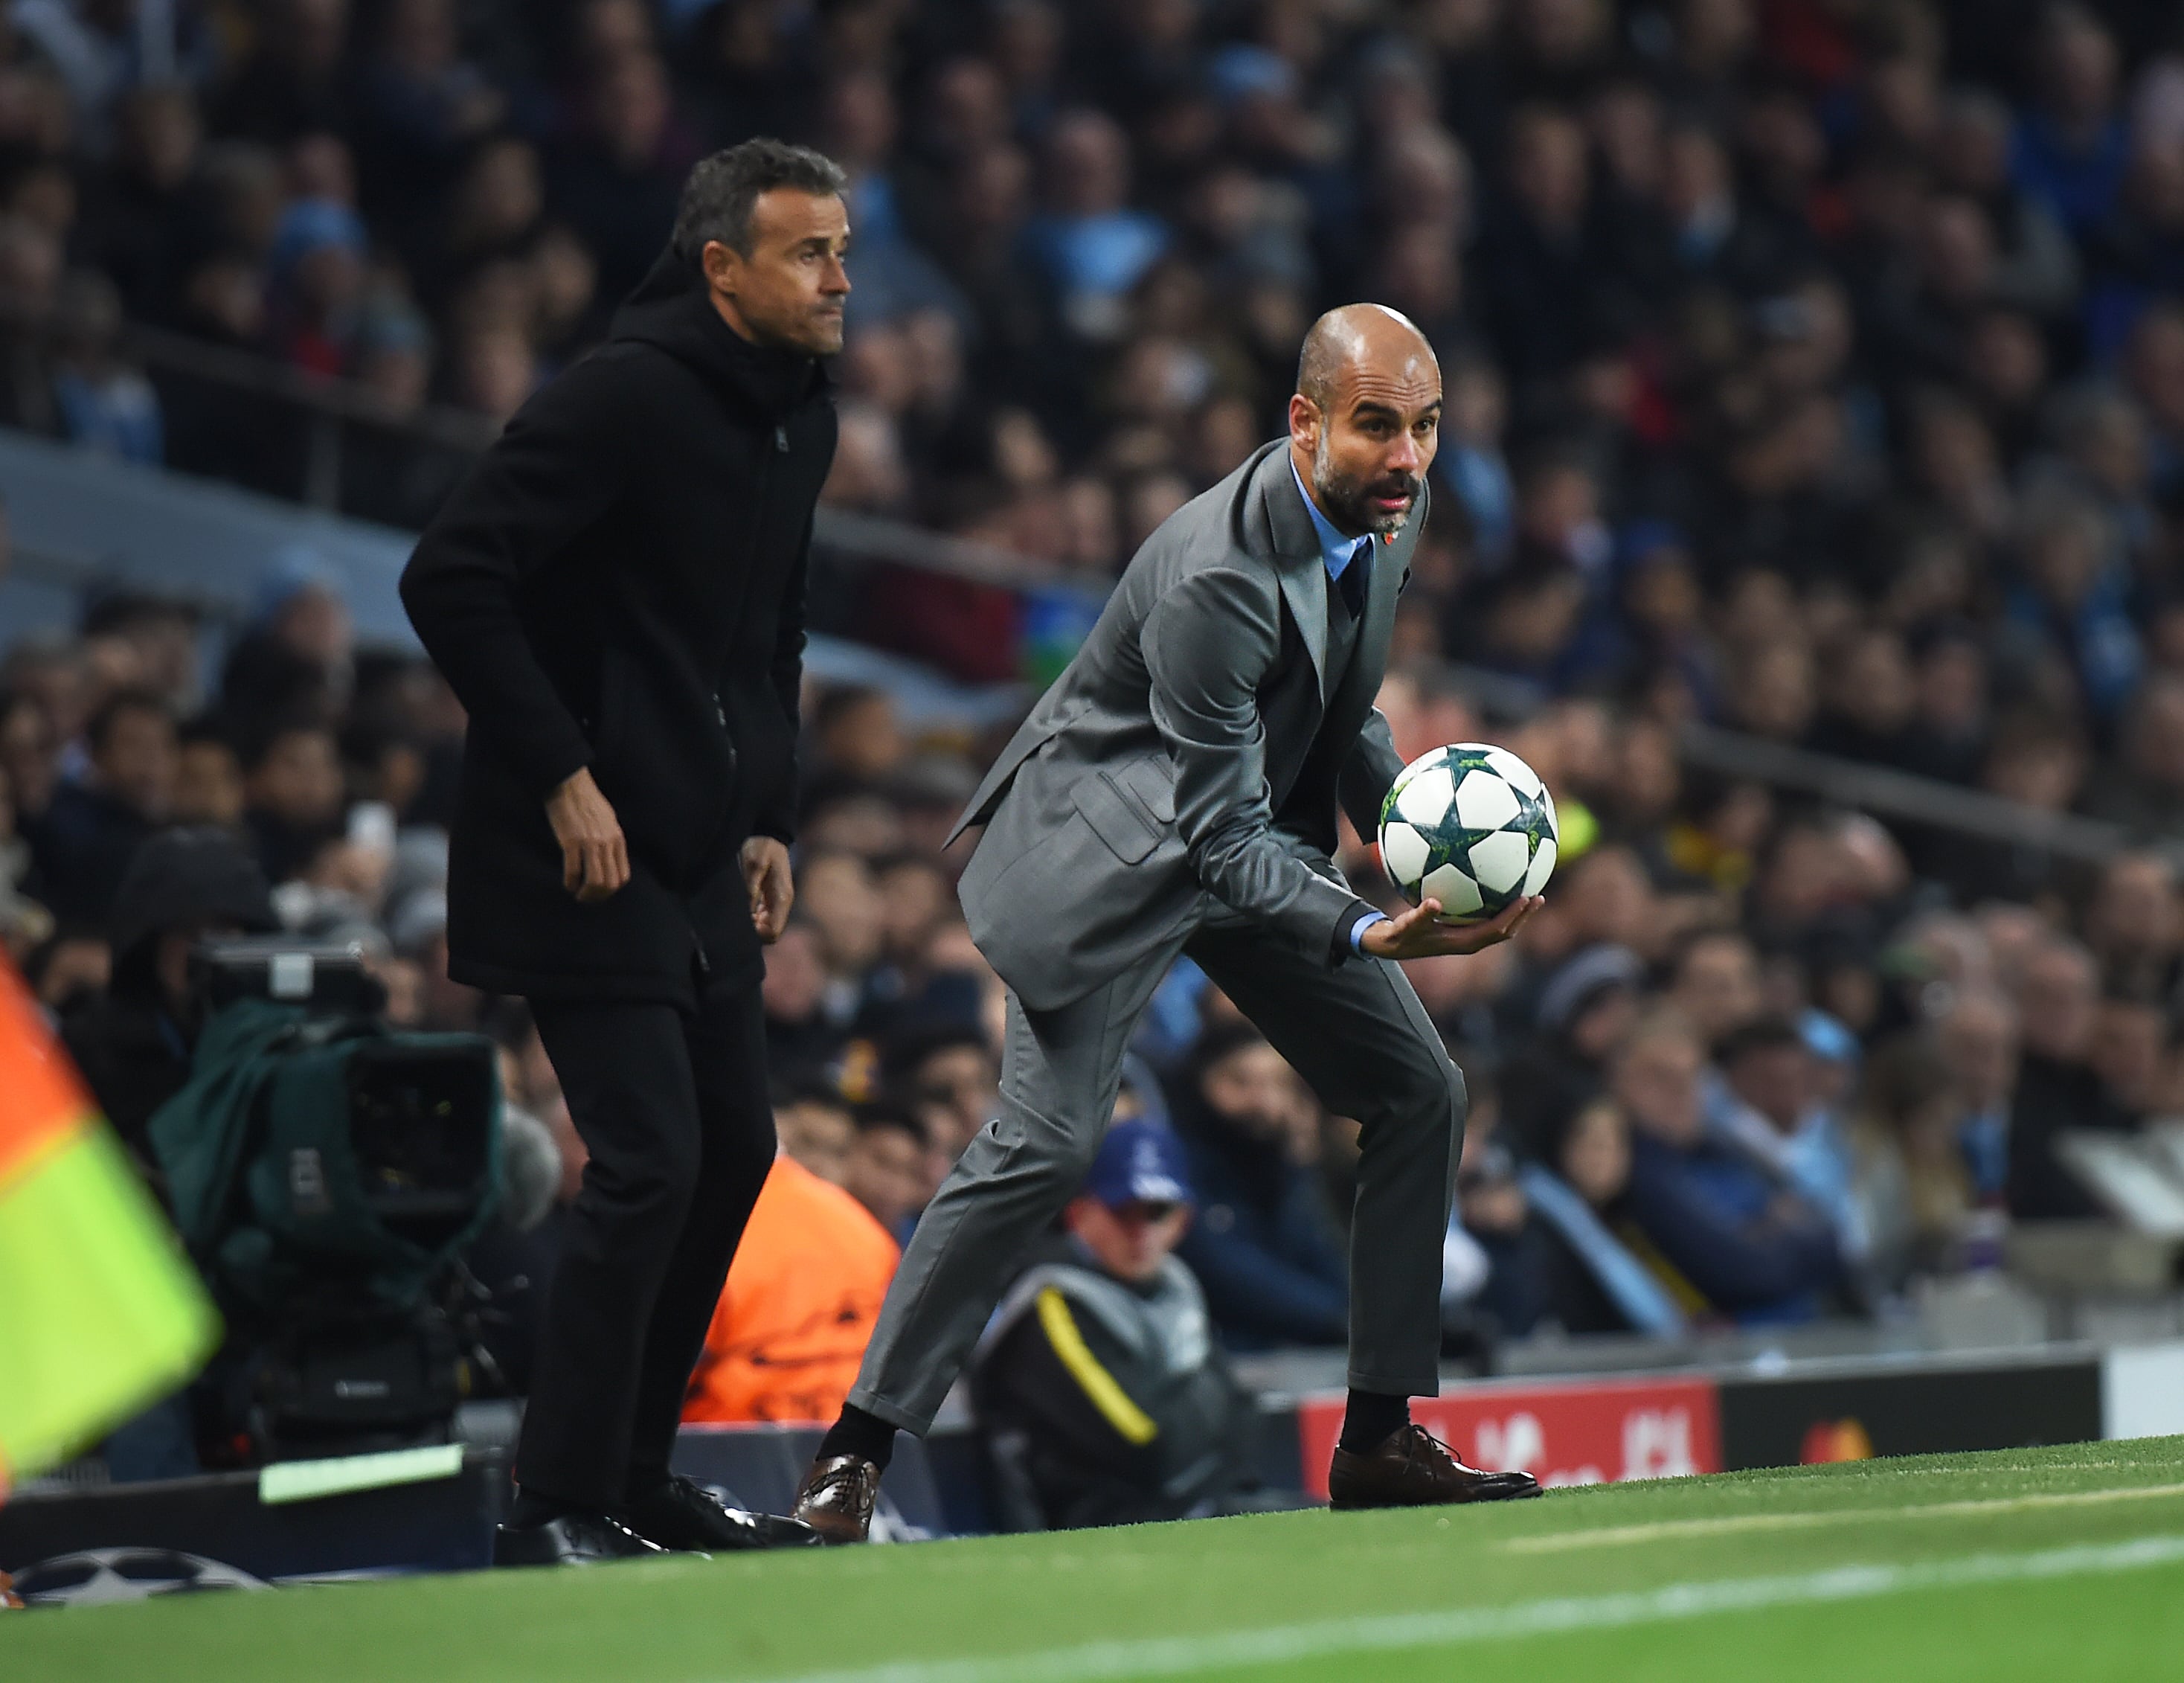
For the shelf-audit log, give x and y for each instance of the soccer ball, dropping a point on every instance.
(1471, 825)
(98, 1575)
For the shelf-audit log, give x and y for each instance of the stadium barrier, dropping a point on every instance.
(1574, 1431)
(1581, 1432)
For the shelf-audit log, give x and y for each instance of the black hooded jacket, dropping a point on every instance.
(133, 1044)
(619, 583)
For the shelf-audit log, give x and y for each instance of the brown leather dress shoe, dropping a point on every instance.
(838, 1497)
(1413, 1468)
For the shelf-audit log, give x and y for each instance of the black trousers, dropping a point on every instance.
(673, 1108)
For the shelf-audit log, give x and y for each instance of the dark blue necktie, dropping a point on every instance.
(1357, 578)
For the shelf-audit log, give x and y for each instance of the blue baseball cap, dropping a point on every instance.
(1139, 1162)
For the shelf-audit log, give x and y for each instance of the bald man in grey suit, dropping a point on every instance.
(1175, 792)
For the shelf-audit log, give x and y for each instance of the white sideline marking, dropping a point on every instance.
(1657, 1531)
(1182, 1655)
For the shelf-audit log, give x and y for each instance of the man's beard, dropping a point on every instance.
(1347, 500)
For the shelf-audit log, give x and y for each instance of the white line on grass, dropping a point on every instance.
(1183, 1656)
(1660, 1529)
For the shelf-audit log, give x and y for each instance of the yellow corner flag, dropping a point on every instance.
(100, 1314)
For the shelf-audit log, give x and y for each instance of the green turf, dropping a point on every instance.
(1002, 1609)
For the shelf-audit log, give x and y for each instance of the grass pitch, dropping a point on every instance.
(2044, 1564)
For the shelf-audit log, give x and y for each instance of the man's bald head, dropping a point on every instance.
(1352, 336)
(1365, 420)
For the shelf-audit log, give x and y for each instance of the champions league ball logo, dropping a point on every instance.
(95, 1577)
(1471, 825)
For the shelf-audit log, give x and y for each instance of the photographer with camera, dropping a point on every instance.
(134, 1042)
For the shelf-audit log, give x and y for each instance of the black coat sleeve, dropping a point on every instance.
(775, 815)
(561, 465)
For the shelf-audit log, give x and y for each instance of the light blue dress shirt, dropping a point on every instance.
(1337, 550)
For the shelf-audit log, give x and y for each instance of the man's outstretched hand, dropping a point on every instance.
(771, 884)
(1418, 934)
(595, 856)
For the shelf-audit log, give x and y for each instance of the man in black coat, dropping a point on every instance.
(616, 595)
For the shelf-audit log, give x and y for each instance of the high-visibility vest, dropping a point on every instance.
(800, 1303)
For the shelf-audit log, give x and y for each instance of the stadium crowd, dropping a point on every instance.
(1814, 368)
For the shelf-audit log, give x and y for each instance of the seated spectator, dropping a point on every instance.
(1587, 1006)
(1264, 1245)
(1089, 245)
(1922, 1190)
(800, 1302)
(293, 783)
(104, 403)
(70, 965)
(1721, 1233)
(2129, 1052)
(1590, 1280)
(84, 840)
(885, 1167)
(207, 776)
(1774, 1112)
(947, 1069)
(2059, 1001)
(816, 1126)
(24, 922)
(1975, 1040)
(834, 890)
(1104, 1402)
(799, 1039)
(294, 660)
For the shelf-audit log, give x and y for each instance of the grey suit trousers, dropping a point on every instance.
(1357, 1035)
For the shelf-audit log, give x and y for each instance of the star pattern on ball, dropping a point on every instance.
(1471, 825)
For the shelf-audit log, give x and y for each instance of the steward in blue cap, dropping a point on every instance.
(1106, 1399)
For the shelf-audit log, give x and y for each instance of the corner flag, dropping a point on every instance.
(100, 1312)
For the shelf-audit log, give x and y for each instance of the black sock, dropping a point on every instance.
(859, 1434)
(536, 1507)
(1371, 1420)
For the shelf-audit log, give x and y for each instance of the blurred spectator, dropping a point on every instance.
(816, 1126)
(1586, 1008)
(103, 403)
(885, 1167)
(86, 834)
(802, 1297)
(1104, 1401)
(1774, 1077)
(1089, 245)
(2058, 1088)
(1728, 1237)
(800, 1037)
(293, 790)
(133, 1043)
(1263, 1245)
(1590, 1280)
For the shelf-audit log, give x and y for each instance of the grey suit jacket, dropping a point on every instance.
(1138, 799)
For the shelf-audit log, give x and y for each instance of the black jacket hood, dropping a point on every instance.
(669, 308)
(179, 877)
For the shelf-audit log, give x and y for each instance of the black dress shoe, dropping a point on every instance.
(571, 1540)
(683, 1514)
(1413, 1468)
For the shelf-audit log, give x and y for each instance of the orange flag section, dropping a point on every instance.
(41, 1101)
(800, 1303)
